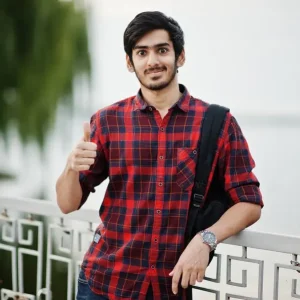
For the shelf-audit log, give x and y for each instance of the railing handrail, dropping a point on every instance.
(248, 238)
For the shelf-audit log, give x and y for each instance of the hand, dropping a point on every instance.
(191, 264)
(83, 156)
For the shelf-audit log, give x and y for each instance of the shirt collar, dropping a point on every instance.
(182, 103)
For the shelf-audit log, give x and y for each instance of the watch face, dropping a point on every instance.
(209, 237)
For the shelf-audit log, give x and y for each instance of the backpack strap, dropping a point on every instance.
(210, 133)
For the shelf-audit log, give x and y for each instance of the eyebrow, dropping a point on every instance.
(154, 46)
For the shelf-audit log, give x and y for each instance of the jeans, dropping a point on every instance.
(85, 293)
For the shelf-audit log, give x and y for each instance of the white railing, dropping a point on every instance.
(269, 272)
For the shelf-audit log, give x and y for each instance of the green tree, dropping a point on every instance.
(43, 46)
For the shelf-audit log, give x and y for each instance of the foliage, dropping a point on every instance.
(43, 46)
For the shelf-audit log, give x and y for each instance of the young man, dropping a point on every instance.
(147, 146)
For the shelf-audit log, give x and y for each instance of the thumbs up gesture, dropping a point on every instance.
(86, 131)
(83, 156)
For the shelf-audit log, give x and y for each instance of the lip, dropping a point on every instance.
(155, 72)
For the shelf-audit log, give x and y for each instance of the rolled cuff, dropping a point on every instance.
(247, 193)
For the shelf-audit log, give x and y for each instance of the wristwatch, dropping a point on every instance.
(209, 239)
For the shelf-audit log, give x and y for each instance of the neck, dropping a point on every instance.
(162, 99)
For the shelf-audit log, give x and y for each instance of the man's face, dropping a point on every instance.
(154, 61)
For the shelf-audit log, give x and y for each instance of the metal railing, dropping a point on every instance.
(37, 229)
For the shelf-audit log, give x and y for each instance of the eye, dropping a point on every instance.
(141, 52)
(162, 50)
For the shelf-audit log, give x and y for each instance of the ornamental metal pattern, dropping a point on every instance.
(56, 240)
(295, 265)
(244, 284)
(8, 295)
(9, 225)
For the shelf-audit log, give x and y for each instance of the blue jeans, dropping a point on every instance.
(85, 293)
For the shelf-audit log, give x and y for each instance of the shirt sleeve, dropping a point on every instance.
(236, 166)
(98, 172)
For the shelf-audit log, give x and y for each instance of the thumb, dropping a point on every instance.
(86, 131)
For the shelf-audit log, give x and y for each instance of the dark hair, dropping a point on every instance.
(148, 21)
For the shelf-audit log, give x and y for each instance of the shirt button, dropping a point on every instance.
(195, 151)
(162, 129)
(150, 108)
(152, 267)
(155, 240)
(158, 211)
(161, 157)
(160, 184)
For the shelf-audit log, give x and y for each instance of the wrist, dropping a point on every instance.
(209, 239)
(69, 170)
(206, 247)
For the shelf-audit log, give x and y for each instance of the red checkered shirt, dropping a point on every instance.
(150, 163)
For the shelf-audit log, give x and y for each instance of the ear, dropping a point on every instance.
(129, 64)
(181, 59)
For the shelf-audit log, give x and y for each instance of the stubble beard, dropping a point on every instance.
(161, 85)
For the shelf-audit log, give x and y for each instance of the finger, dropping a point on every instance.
(193, 278)
(175, 279)
(87, 146)
(79, 168)
(200, 276)
(185, 278)
(88, 154)
(86, 131)
(81, 154)
(84, 161)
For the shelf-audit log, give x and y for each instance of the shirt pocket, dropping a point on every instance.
(186, 167)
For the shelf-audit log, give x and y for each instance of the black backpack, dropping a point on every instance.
(204, 212)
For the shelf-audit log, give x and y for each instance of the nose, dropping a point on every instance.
(153, 59)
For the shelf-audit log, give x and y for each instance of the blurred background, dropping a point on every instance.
(60, 61)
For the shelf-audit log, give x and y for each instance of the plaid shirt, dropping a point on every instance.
(151, 164)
